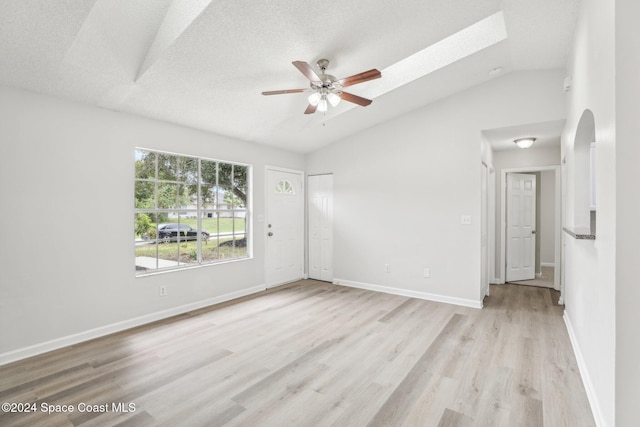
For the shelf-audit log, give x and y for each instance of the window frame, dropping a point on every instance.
(200, 212)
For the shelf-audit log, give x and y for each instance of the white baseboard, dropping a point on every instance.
(584, 373)
(68, 340)
(496, 281)
(409, 293)
(548, 264)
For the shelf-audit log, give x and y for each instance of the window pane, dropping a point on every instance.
(226, 199)
(209, 193)
(187, 197)
(226, 246)
(189, 170)
(191, 192)
(168, 166)
(210, 222)
(188, 239)
(240, 186)
(145, 195)
(210, 246)
(240, 247)
(209, 171)
(167, 195)
(239, 176)
(285, 187)
(177, 241)
(225, 220)
(145, 164)
(239, 223)
(145, 242)
(168, 247)
(225, 175)
(240, 234)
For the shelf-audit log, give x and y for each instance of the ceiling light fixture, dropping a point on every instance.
(326, 89)
(524, 142)
(314, 98)
(322, 97)
(322, 104)
(334, 99)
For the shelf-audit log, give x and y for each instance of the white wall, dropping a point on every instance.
(513, 159)
(627, 212)
(401, 187)
(67, 254)
(590, 266)
(547, 214)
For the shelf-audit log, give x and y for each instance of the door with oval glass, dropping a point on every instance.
(284, 226)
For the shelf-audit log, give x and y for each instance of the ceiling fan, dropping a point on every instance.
(326, 89)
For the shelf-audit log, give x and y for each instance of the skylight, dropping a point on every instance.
(465, 42)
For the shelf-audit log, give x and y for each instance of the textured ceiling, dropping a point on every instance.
(204, 63)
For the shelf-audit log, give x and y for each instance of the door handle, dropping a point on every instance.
(269, 234)
(533, 231)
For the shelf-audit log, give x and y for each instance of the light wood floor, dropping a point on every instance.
(544, 281)
(316, 354)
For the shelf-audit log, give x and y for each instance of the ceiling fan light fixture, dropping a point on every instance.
(322, 104)
(334, 99)
(524, 142)
(326, 89)
(314, 98)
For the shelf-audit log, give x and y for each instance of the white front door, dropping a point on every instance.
(285, 227)
(320, 191)
(521, 226)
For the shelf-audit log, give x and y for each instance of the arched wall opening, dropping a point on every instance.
(584, 173)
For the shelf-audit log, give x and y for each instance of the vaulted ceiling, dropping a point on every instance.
(204, 63)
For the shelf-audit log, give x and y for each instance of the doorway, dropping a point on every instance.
(557, 226)
(285, 226)
(521, 227)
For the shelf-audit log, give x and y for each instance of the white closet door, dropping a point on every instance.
(320, 240)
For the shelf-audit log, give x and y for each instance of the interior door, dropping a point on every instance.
(521, 221)
(320, 211)
(285, 227)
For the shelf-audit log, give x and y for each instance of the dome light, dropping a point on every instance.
(524, 142)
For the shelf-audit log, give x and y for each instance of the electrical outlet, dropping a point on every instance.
(163, 291)
(465, 220)
(387, 269)
(427, 273)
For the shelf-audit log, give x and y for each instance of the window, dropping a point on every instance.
(285, 187)
(188, 211)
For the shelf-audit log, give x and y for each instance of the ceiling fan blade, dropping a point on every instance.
(360, 78)
(311, 109)
(306, 70)
(280, 92)
(355, 99)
